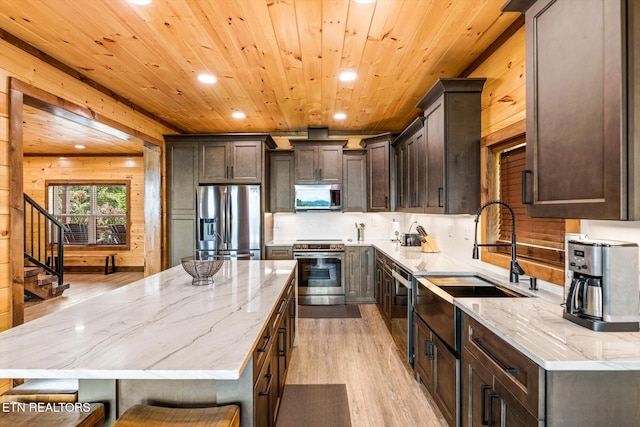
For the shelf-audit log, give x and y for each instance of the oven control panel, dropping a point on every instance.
(318, 246)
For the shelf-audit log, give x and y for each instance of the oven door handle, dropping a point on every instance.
(315, 255)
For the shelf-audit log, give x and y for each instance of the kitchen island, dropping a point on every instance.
(159, 339)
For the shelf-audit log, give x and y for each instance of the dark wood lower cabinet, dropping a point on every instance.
(486, 402)
(271, 360)
(437, 369)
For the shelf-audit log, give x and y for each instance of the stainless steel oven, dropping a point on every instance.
(321, 272)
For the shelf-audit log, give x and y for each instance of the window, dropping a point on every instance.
(540, 241)
(91, 213)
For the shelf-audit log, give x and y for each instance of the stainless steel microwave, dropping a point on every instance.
(317, 197)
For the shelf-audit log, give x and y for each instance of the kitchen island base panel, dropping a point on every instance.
(593, 398)
(170, 393)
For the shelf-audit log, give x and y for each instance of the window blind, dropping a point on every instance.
(540, 239)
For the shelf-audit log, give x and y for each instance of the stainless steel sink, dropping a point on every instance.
(472, 286)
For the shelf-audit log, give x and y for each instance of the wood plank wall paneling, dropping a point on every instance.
(503, 95)
(38, 169)
(19, 64)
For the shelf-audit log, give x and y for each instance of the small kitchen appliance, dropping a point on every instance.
(410, 239)
(603, 295)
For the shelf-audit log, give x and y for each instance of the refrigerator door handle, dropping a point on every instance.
(228, 223)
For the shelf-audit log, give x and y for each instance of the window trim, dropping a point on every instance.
(95, 247)
(489, 191)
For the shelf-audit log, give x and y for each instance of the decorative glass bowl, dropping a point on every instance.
(202, 270)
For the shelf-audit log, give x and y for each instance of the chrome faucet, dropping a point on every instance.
(515, 270)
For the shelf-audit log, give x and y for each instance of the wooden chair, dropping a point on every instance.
(148, 415)
(76, 234)
(119, 233)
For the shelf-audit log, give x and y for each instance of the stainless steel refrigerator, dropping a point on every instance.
(229, 221)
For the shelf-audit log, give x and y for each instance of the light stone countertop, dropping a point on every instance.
(160, 327)
(534, 325)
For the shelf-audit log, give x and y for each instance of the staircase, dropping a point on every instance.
(40, 284)
(43, 252)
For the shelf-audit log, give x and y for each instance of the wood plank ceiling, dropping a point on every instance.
(277, 61)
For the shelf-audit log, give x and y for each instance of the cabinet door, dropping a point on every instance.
(182, 170)
(246, 166)
(378, 282)
(435, 140)
(355, 180)
(378, 177)
(330, 164)
(281, 191)
(478, 396)
(445, 380)
(352, 267)
(264, 399)
(215, 163)
(423, 353)
(402, 176)
(416, 171)
(576, 146)
(306, 164)
(366, 274)
(182, 237)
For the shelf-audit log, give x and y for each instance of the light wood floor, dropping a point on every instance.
(82, 287)
(357, 352)
(361, 354)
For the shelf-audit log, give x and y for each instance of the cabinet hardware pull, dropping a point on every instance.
(491, 397)
(428, 349)
(266, 392)
(483, 404)
(512, 371)
(292, 315)
(440, 190)
(524, 187)
(262, 349)
(283, 352)
(231, 176)
(281, 308)
(386, 198)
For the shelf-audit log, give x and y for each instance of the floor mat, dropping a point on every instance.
(314, 405)
(344, 311)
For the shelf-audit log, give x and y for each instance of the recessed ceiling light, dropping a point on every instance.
(140, 2)
(348, 76)
(207, 78)
(79, 147)
(238, 115)
(339, 116)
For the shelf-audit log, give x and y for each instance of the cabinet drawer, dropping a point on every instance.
(279, 252)
(262, 349)
(517, 373)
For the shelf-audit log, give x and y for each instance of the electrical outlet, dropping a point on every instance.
(373, 222)
(466, 232)
(450, 228)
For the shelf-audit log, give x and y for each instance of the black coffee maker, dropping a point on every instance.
(603, 295)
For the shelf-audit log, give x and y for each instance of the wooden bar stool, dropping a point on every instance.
(28, 414)
(43, 390)
(147, 415)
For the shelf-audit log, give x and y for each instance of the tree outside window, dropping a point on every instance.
(91, 213)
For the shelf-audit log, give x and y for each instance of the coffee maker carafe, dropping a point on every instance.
(603, 295)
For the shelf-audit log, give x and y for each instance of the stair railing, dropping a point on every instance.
(43, 239)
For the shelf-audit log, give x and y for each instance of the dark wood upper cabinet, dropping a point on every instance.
(378, 173)
(582, 108)
(318, 162)
(443, 153)
(354, 186)
(224, 162)
(281, 191)
(410, 168)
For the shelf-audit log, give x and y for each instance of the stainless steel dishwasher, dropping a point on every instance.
(402, 312)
